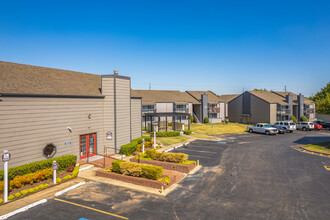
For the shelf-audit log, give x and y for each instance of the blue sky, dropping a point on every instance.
(223, 46)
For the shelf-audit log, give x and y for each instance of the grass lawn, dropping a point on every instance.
(171, 140)
(218, 128)
(199, 136)
(321, 147)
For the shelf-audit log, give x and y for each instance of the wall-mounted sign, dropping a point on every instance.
(55, 165)
(6, 157)
(67, 143)
(109, 135)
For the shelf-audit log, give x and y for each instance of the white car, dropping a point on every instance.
(262, 128)
(305, 126)
(288, 126)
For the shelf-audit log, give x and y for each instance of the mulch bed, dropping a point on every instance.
(167, 165)
(49, 181)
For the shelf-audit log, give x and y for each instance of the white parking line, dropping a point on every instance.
(23, 209)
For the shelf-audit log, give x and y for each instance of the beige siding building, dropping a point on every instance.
(78, 113)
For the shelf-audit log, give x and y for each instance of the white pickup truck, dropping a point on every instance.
(262, 128)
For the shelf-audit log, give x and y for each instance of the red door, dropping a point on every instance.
(87, 145)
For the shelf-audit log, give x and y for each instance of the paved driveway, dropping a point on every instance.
(251, 177)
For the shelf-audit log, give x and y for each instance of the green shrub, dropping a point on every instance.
(151, 172)
(166, 134)
(1, 201)
(24, 192)
(206, 120)
(31, 190)
(130, 148)
(188, 162)
(141, 170)
(303, 118)
(17, 195)
(130, 169)
(165, 179)
(67, 177)
(191, 118)
(187, 132)
(75, 172)
(169, 124)
(36, 188)
(294, 119)
(115, 166)
(168, 157)
(58, 180)
(63, 161)
(41, 186)
(46, 185)
(11, 197)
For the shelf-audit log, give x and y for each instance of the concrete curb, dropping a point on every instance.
(302, 147)
(69, 188)
(85, 168)
(23, 209)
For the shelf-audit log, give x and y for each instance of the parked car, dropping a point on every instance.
(318, 126)
(280, 129)
(293, 125)
(286, 126)
(305, 126)
(324, 124)
(262, 128)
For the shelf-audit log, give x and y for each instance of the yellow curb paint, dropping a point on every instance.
(97, 210)
(327, 168)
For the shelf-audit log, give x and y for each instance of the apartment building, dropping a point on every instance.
(165, 101)
(70, 112)
(208, 105)
(269, 106)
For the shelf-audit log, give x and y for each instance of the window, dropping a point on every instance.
(148, 108)
(49, 151)
(180, 108)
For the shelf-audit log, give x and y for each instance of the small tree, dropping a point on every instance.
(294, 119)
(206, 120)
(303, 118)
(191, 118)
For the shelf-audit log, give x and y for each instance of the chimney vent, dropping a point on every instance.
(115, 72)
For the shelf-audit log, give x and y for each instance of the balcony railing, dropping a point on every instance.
(148, 110)
(181, 110)
(284, 112)
(309, 110)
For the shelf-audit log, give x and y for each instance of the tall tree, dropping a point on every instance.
(322, 100)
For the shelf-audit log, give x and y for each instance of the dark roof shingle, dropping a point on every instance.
(34, 80)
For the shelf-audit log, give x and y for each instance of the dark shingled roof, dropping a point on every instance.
(34, 80)
(211, 97)
(150, 97)
(228, 98)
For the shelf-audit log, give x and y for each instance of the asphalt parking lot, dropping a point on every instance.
(252, 176)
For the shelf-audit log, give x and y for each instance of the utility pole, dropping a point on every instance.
(149, 86)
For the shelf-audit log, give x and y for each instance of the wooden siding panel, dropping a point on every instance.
(25, 131)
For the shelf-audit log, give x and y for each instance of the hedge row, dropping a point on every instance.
(168, 157)
(130, 148)
(137, 169)
(187, 132)
(63, 163)
(166, 134)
